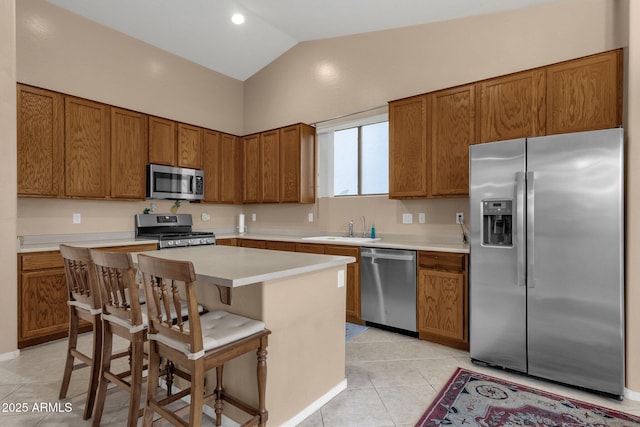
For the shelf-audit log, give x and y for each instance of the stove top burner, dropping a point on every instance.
(171, 231)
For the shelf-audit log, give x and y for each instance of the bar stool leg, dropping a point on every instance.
(152, 384)
(137, 363)
(95, 368)
(107, 348)
(68, 365)
(262, 380)
(218, 391)
(197, 392)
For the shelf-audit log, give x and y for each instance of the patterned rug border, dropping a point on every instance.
(459, 372)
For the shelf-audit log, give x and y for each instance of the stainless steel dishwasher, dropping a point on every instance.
(388, 288)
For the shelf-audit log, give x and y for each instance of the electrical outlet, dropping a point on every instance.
(77, 219)
(310, 217)
(253, 217)
(422, 218)
(407, 218)
(459, 218)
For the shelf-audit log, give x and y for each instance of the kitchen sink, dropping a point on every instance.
(343, 239)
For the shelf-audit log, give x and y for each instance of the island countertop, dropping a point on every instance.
(234, 266)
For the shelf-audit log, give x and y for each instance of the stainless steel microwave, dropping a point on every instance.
(168, 182)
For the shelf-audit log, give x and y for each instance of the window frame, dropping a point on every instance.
(326, 151)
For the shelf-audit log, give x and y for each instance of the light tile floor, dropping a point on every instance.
(391, 381)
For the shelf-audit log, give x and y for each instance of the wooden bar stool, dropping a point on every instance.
(200, 344)
(122, 316)
(84, 304)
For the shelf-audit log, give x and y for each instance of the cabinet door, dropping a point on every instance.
(211, 165)
(353, 311)
(297, 164)
(43, 310)
(251, 157)
(87, 142)
(441, 304)
(512, 106)
(452, 132)
(269, 166)
(585, 94)
(408, 148)
(162, 141)
(189, 146)
(230, 169)
(40, 147)
(129, 150)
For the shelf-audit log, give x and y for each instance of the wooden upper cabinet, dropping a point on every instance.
(129, 151)
(189, 146)
(211, 165)
(452, 131)
(297, 164)
(585, 94)
(87, 153)
(230, 169)
(162, 141)
(40, 142)
(511, 106)
(269, 166)
(408, 147)
(251, 158)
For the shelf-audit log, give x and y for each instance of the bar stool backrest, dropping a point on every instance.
(81, 282)
(115, 275)
(162, 279)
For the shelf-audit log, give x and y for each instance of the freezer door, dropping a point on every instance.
(575, 259)
(497, 288)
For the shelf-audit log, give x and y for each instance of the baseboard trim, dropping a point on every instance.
(10, 355)
(632, 395)
(319, 403)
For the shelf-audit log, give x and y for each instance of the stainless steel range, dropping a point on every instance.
(171, 230)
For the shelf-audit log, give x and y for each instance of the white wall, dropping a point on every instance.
(8, 152)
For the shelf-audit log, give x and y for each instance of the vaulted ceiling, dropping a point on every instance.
(201, 30)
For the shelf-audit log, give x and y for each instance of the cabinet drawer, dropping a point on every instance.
(281, 246)
(343, 251)
(310, 248)
(256, 244)
(41, 260)
(441, 261)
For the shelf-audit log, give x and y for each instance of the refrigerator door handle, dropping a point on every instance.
(530, 230)
(520, 212)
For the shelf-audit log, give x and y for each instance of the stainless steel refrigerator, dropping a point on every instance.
(547, 257)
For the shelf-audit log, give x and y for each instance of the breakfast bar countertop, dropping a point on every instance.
(234, 266)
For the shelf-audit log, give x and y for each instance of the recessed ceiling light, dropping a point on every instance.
(237, 19)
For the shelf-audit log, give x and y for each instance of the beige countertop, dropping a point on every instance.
(96, 243)
(233, 266)
(447, 244)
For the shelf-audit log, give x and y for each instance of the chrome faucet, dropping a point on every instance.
(364, 226)
(350, 228)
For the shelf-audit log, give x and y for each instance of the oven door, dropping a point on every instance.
(167, 182)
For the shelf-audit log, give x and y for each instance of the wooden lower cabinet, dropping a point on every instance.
(354, 314)
(281, 246)
(256, 244)
(442, 298)
(43, 314)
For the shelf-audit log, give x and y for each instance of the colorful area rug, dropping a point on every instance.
(473, 399)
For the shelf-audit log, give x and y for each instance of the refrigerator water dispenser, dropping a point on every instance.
(496, 223)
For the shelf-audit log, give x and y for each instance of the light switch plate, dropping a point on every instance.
(253, 217)
(310, 217)
(407, 218)
(341, 278)
(422, 218)
(77, 219)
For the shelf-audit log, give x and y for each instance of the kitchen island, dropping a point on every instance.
(301, 299)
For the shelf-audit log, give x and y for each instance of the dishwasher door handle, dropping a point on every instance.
(388, 256)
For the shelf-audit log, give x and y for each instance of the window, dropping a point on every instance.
(361, 160)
